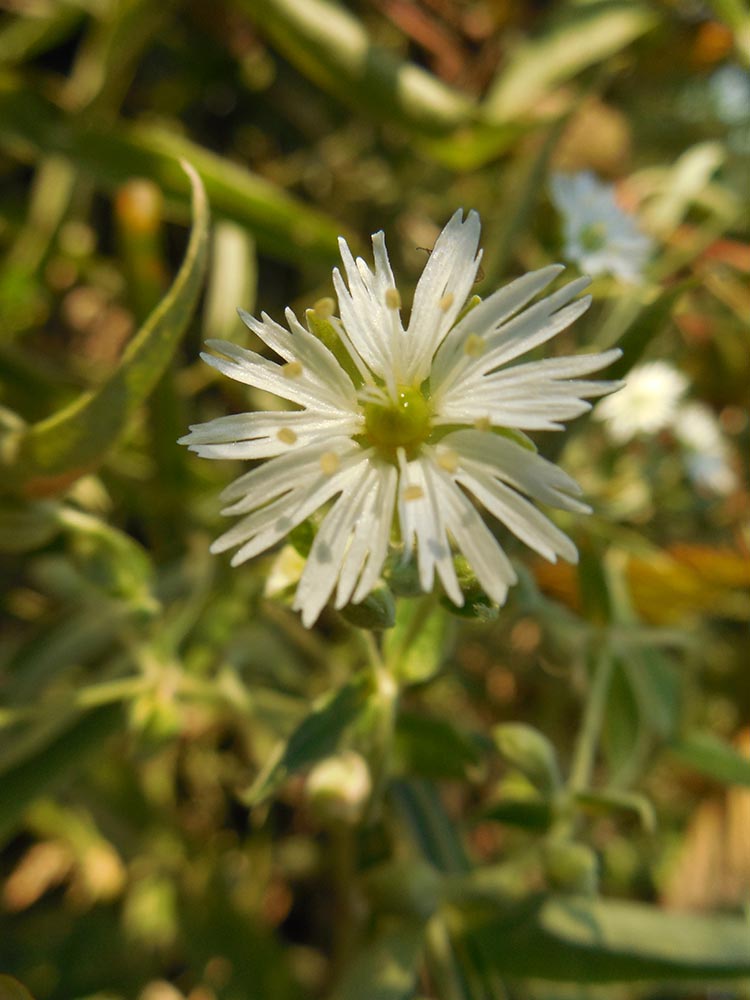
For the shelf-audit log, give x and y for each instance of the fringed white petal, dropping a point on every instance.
(372, 322)
(251, 436)
(337, 534)
(517, 466)
(487, 317)
(441, 292)
(297, 344)
(499, 345)
(292, 382)
(421, 515)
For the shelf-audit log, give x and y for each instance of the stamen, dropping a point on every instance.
(286, 435)
(325, 307)
(474, 345)
(483, 424)
(448, 459)
(447, 301)
(329, 463)
(413, 493)
(292, 369)
(393, 298)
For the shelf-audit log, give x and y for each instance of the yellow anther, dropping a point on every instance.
(474, 345)
(413, 493)
(286, 435)
(448, 459)
(483, 424)
(447, 301)
(393, 298)
(329, 463)
(292, 369)
(325, 307)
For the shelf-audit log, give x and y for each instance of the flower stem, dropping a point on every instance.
(384, 703)
(584, 754)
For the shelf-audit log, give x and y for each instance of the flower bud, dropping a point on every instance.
(376, 612)
(571, 867)
(531, 752)
(338, 789)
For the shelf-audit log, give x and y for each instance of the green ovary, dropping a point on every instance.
(403, 423)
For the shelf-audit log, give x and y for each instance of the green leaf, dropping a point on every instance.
(625, 731)
(592, 33)
(527, 813)
(42, 771)
(27, 526)
(22, 38)
(711, 756)
(330, 46)
(418, 644)
(316, 737)
(386, 967)
(283, 225)
(608, 802)
(432, 748)
(51, 454)
(588, 940)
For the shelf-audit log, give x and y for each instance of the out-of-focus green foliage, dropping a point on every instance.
(556, 792)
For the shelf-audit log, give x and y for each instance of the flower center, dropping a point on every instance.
(403, 423)
(593, 237)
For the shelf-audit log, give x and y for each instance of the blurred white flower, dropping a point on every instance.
(730, 90)
(416, 422)
(646, 404)
(707, 455)
(599, 236)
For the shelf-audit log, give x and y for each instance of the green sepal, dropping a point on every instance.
(376, 612)
(326, 333)
(477, 604)
(302, 537)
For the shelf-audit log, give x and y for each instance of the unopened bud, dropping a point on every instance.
(531, 752)
(571, 867)
(338, 788)
(376, 612)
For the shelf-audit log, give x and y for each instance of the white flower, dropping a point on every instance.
(730, 90)
(395, 421)
(707, 455)
(647, 403)
(599, 236)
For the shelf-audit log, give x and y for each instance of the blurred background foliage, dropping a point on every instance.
(162, 836)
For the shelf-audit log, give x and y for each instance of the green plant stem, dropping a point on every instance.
(593, 717)
(384, 704)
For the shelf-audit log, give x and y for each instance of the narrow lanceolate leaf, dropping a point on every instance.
(316, 737)
(22, 38)
(712, 757)
(49, 455)
(329, 45)
(283, 226)
(589, 940)
(592, 33)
